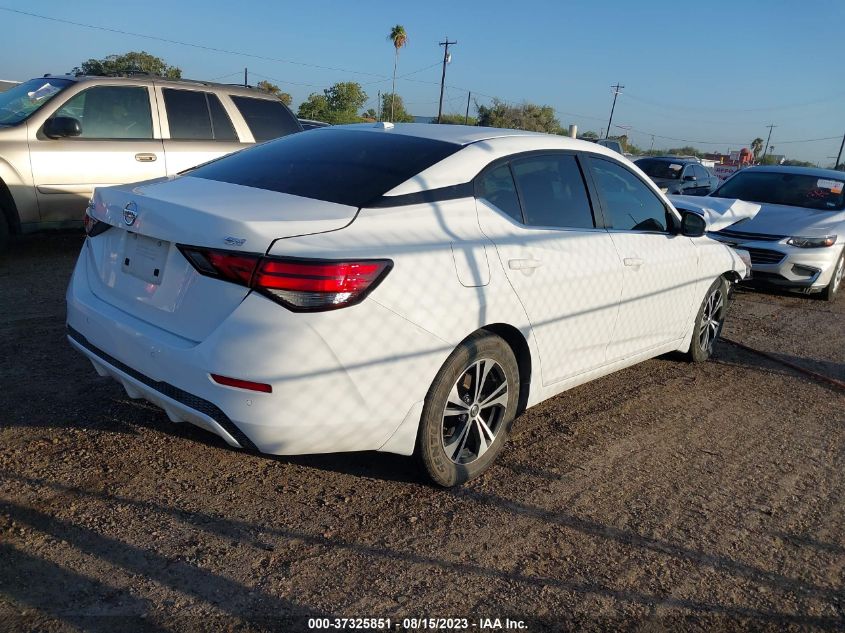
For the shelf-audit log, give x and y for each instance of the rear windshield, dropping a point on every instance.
(345, 166)
(795, 190)
(660, 168)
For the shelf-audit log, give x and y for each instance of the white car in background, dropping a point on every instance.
(408, 288)
(797, 237)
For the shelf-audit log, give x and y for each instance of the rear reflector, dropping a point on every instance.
(242, 384)
(93, 227)
(301, 285)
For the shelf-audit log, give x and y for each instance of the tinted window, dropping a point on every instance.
(111, 112)
(220, 123)
(552, 192)
(345, 166)
(267, 119)
(660, 168)
(700, 172)
(496, 187)
(796, 190)
(629, 205)
(187, 114)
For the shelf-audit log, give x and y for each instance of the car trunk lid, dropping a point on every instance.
(136, 265)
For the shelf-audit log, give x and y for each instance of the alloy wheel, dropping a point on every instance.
(712, 320)
(474, 411)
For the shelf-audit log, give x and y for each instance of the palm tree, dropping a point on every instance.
(756, 147)
(399, 38)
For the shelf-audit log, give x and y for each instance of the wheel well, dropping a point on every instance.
(516, 341)
(8, 209)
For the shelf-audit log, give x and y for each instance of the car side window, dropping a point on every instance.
(221, 124)
(267, 118)
(700, 172)
(496, 187)
(628, 203)
(111, 112)
(552, 191)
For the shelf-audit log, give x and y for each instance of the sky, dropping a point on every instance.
(712, 74)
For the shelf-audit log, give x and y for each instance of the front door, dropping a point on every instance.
(117, 145)
(660, 266)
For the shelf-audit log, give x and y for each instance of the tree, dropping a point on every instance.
(273, 89)
(132, 61)
(589, 134)
(400, 115)
(339, 103)
(399, 38)
(686, 150)
(527, 116)
(757, 147)
(457, 119)
(314, 107)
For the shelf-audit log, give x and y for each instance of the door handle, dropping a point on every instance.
(633, 262)
(145, 158)
(524, 264)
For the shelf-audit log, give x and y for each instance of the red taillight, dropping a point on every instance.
(301, 285)
(242, 384)
(93, 226)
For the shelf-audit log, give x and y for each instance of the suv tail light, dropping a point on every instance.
(301, 285)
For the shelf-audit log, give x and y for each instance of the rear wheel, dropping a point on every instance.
(4, 232)
(829, 293)
(709, 321)
(469, 410)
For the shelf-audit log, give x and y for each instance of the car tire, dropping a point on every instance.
(829, 293)
(709, 321)
(464, 428)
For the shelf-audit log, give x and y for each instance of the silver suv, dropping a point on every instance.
(62, 136)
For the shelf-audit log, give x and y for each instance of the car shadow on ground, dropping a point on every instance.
(239, 601)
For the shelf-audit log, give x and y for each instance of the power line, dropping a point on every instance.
(189, 44)
(669, 106)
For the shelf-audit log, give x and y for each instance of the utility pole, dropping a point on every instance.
(447, 43)
(246, 83)
(768, 138)
(617, 89)
(378, 107)
(839, 156)
(652, 143)
(466, 118)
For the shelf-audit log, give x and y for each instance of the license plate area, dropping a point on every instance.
(144, 257)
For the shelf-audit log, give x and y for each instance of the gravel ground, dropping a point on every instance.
(668, 496)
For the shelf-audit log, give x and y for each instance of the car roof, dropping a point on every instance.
(458, 134)
(817, 172)
(145, 79)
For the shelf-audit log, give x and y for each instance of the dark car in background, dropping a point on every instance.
(680, 176)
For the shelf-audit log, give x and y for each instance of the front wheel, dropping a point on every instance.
(468, 410)
(709, 321)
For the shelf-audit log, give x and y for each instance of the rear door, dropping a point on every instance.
(197, 127)
(119, 143)
(565, 271)
(660, 266)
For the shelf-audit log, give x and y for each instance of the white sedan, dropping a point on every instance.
(408, 288)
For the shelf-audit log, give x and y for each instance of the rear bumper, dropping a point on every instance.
(327, 371)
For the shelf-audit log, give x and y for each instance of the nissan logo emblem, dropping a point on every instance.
(130, 213)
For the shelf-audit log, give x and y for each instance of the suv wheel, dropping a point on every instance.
(709, 321)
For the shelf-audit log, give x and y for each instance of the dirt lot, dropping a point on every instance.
(667, 496)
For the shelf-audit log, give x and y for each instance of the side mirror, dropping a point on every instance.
(692, 224)
(62, 126)
(689, 178)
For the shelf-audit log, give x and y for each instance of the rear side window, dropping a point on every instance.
(552, 192)
(197, 116)
(267, 119)
(349, 167)
(496, 187)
